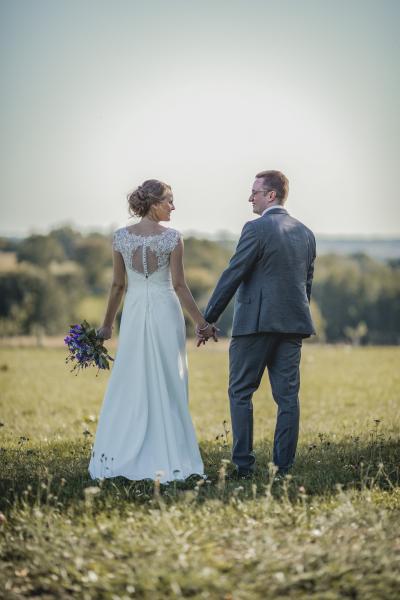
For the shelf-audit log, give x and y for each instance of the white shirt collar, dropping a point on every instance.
(271, 207)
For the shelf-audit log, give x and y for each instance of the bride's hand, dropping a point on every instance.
(104, 332)
(204, 334)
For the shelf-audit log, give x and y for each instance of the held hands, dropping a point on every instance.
(105, 332)
(205, 332)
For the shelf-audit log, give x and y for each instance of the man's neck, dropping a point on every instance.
(271, 207)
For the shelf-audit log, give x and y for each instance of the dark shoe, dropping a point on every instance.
(241, 474)
(280, 476)
(236, 475)
(282, 473)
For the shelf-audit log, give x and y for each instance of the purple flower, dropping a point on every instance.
(85, 348)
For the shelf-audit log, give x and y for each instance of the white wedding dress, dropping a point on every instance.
(145, 430)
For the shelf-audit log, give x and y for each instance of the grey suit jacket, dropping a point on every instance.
(271, 271)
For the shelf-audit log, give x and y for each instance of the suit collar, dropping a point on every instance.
(276, 210)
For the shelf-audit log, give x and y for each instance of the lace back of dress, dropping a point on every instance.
(145, 254)
(144, 260)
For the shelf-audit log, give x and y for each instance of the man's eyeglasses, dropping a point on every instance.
(254, 192)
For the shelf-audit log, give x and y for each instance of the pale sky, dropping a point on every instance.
(98, 96)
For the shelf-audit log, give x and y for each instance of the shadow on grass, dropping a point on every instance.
(56, 473)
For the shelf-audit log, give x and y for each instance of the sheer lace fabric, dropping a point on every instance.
(145, 254)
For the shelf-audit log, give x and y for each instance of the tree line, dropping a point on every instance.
(355, 298)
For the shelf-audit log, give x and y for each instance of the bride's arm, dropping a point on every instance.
(116, 292)
(181, 288)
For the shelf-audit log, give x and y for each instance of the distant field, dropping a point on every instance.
(343, 389)
(378, 247)
(8, 261)
(222, 539)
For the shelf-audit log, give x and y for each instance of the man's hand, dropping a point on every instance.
(203, 334)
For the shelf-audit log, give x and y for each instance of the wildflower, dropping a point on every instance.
(92, 491)
(237, 490)
(316, 532)
(21, 572)
(85, 348)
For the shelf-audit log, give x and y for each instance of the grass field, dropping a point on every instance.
(331, 530)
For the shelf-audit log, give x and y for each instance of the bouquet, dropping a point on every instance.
(85, 348)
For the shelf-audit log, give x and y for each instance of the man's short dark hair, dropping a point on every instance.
(275, 180)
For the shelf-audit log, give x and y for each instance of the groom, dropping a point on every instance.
(271, 273)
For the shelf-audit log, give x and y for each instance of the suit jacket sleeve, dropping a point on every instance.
(246, 254)
(310, 272)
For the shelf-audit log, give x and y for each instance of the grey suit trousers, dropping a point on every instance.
(249, 355)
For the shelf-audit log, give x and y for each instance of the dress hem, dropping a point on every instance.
(161, 480)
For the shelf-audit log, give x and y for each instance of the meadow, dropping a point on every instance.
(330, 530)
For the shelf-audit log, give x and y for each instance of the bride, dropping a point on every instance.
(145, 429)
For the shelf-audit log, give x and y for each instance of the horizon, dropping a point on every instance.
(218, 234)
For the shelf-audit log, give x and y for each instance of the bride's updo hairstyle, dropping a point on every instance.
(143, 197)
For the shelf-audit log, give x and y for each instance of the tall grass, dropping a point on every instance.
(330, 530)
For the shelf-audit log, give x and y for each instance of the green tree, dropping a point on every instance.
(200, 281)
(8, 244)
(68, 238)
(40, 250)
(32, 298)
(207, 254)
(94, 254)
(354, 290)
